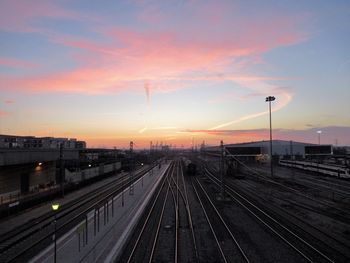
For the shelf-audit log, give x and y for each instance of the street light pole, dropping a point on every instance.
(222, 169)
(55, 256)
(269, 99)
(55, 208)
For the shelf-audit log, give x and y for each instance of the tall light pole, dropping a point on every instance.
(222, 169)
(269, 99)
(55, 207)
(319, 137)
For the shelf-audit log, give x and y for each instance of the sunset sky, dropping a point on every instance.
(109, 72)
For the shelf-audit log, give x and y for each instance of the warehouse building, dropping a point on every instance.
(32, 142)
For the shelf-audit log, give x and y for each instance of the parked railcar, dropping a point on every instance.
(191, 169)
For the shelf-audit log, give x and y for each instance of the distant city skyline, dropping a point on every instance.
(111, 72)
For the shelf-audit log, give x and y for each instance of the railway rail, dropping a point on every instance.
(257, 174)
(229, 247)
(167, 226)
(149, 231)
(29, 239)
(315, 183)
(289, 232)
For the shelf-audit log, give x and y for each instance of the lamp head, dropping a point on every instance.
(55, 206)
(270, 98)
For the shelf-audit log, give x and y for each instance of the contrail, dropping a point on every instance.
(284, 102)
(158, 128)
(142, 130)
(148, 93)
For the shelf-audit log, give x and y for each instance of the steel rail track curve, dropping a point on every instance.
(233, 194)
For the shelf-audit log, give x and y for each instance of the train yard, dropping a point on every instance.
(293, 216)
(247, 225)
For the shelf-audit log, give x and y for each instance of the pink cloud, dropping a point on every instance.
(4, 113)
(9, 101)
(28, 12)
(87, 81)
(16, 63)
(167, 59)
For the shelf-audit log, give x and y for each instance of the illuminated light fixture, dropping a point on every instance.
(89, 165)
(141, 164)
(55, 206)
(40, 164)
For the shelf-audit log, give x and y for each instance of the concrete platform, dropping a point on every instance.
(12, 222)
(100, 238)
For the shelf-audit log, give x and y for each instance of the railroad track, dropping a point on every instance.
(256, 175)
(310, 248)
(167, 227)
(227, 244)
(29, 239)
(345, 214)
(185, 238)
(142, 244)
(313, 183)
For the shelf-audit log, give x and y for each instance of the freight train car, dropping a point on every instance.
(191, 169)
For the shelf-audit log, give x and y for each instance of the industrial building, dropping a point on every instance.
(279, 148)
(32, 142)
(29, 163)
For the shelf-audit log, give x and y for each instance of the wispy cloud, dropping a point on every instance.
(4, 113)
(9, 101)
(148, 93)
(167, 58)
(161, 48)
(29, 12)
(330, 134)
(158, 128)
(16, 63)
(283, 98)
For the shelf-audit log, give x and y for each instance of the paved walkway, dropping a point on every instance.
(102, 236)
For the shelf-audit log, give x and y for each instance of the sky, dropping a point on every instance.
(175, 72)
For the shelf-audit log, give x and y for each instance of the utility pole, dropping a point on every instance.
(222, 170)
(292, 157)
(131, 168)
